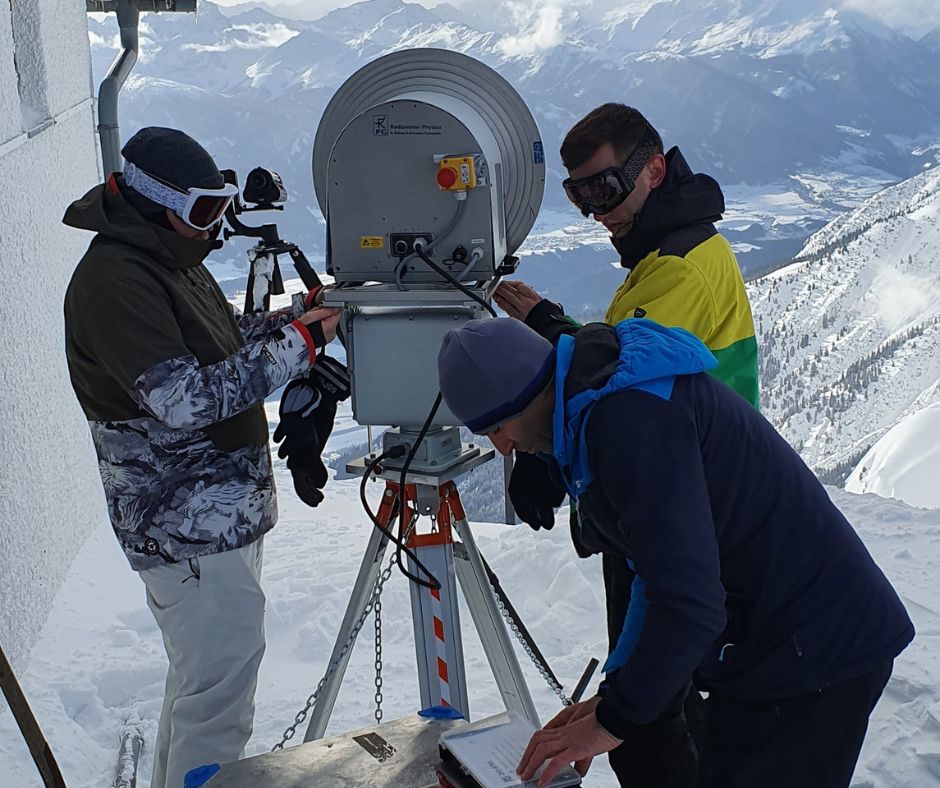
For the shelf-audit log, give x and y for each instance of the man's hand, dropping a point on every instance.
(327, 319)
(516, 299)
(573, 736)
(572, 713)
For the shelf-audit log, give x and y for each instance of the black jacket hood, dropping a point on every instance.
(683, 198)
(104, 210)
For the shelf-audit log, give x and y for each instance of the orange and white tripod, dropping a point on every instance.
(438, 643)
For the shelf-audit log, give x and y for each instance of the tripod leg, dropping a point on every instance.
(362, 591)
(489, 623)
(441, 674)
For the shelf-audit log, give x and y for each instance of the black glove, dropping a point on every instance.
(535, 491)
(548, 319)
(307, 413)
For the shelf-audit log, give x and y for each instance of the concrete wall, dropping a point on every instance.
(50, 493)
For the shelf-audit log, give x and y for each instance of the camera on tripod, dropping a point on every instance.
(264, 191)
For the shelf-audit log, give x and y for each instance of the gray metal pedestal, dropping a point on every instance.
(399, 754)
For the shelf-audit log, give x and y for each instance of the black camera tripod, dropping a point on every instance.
(264, 191)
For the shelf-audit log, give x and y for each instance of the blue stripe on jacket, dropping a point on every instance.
(632, 625)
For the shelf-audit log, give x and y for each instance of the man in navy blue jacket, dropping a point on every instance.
(748, 578)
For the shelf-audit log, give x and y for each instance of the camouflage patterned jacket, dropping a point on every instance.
(173, 382)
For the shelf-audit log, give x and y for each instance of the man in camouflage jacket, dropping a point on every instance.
(172, 382)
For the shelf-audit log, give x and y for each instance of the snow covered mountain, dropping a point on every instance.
(802, 109)
(850, 336)
(799, 110)
(905, 462)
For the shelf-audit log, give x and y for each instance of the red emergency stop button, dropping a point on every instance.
(446, 177)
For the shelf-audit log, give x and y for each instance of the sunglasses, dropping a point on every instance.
(601, 192)
(201, 209)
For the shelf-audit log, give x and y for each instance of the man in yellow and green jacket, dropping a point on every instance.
(681, 272)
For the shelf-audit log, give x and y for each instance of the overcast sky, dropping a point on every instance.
(913, 16)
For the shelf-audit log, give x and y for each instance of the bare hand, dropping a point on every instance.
(326, 317)
(516, 298)
(572, 713)
(573, 736)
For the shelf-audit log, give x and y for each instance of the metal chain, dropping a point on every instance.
(375, 605)
(350, 641)
(553, 685)
(378, 661)
(374, 601)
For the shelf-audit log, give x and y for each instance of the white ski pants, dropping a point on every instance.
(213, 631)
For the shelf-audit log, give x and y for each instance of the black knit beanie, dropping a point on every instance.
(172, 157)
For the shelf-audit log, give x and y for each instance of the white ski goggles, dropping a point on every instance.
(201, 209)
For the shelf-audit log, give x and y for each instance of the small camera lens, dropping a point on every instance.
(259, 179)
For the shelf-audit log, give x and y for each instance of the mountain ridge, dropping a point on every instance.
(850, 335)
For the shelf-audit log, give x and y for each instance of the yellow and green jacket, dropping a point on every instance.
(702, 291)
(682, 273)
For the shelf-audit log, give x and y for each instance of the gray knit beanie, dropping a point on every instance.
(491, 370)
(172, 157)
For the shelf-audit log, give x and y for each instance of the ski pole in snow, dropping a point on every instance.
(38, 746)
(132, 741)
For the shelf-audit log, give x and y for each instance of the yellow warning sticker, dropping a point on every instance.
(371, 242)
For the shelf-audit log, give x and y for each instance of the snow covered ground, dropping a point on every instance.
(100, 657)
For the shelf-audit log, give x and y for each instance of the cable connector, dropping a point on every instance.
(398, 450)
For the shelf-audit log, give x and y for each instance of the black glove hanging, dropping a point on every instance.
(534, 490)
(307, 413)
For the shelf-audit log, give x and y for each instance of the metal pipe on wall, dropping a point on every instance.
(128, 16)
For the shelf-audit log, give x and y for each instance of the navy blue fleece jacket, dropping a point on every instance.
(748, 576)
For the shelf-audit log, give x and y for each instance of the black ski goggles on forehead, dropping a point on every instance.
(603, 191)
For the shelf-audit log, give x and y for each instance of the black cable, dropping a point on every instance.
(402, 268)
(454, 281)
(404, 470)
(432, 582)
